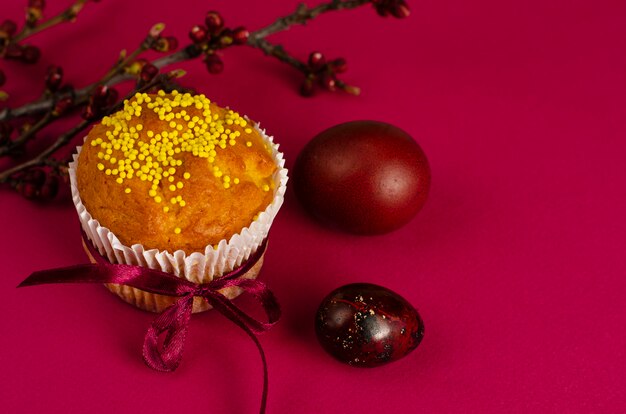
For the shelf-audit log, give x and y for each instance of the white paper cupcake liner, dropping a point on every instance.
(197, 267)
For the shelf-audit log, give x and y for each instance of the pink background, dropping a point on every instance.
(516, 263)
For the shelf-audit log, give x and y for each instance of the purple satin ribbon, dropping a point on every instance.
(173, 321)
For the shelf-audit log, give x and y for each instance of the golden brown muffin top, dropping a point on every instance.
(175, 172)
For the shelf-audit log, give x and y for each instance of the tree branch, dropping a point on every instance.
(66, 15)
(42, 158)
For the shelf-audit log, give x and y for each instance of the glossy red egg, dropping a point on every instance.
(367, 325)
(365, 177)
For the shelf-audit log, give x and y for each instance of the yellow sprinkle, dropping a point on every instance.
(152, 193)
(248, 144)
(119, 180)
(182, 203)
(266, 187)
(158, 199)
(166, 209)
(127, 190)
(173, 200)
(177, 230)
(151, 157)
(100, 166)
(108, 171)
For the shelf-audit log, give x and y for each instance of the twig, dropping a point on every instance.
(301, 16)
(146, 44)
(28, 134)
(256, 39)
(42, 158)
(66, 15)
(279, 52)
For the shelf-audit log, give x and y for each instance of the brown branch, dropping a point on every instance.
(66, 15)
(256, 39)
(113, 77)
(43, 157)
(146, 44)
(28, 134)
(301, 16)
(281, 54)
(82, 96)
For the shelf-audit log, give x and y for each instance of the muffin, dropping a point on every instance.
(177, 183)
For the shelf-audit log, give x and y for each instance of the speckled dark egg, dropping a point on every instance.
(367, 325)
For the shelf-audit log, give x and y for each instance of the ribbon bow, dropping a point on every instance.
(174, 320)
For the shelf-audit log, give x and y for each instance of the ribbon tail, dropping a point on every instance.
(265, 296)
(174, 322)
(261, 293)
(265, 373)
(221, 304)
(85, 273)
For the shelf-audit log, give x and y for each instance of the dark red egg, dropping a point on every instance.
(367, 325)
(365, 177)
